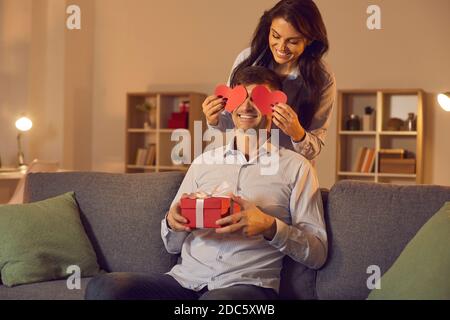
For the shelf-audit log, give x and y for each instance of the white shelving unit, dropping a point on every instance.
(387, 103)
(139, 136)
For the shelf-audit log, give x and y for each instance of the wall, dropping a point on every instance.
(46, 81)
(151, 45)
(46, 74)
(15, 23)
(78, 87)
(160, 45)
(139, 45)
(411, 51)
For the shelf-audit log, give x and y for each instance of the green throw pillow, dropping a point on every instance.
(422, 271)
(39, 240)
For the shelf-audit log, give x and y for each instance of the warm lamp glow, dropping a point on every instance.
(24, 124)
(444, 101)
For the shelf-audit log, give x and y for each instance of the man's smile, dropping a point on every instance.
(247, 116)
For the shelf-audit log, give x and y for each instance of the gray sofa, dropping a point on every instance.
(367, 223)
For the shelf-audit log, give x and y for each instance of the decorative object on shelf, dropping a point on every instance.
(398, 166)
(150, 109)
(369, 119)
(396, 161)
(410, 123)
(392, 153)
(353, 123)
(179, 120)
(444, 101)
(184, 106)
(24, 124)
(395, 124)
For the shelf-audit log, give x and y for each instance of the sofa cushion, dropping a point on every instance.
(39, 241)
(422, 271)
(51, 290)
(298, 282)
(121, 214)
(370, 224)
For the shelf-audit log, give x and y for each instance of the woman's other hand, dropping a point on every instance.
(287, 120)
(212, 106)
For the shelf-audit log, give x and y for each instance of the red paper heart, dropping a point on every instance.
(235, 96)
(265, 99)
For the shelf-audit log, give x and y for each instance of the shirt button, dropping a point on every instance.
(220, 257)
(213, 278)
(239, 189)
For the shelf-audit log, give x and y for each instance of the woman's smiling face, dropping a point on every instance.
(285, 42)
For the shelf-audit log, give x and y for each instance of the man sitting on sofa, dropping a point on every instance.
(282, 214)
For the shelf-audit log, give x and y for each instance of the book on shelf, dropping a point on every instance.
(141, 154)
(372, 161)
(365, 160)
(146, 156)
(369, 161)
(359, 159)
(151, 155)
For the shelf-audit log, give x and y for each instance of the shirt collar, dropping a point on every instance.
(267, 148)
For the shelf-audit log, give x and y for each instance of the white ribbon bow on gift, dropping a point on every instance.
(221, 191)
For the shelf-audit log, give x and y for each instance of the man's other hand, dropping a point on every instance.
(251, 221)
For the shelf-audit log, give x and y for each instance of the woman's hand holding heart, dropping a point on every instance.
(212, 106)
(287, 120)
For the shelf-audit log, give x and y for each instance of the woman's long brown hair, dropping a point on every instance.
(306, 19)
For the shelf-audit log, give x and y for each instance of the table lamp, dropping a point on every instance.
(444, 101)
(23, 124)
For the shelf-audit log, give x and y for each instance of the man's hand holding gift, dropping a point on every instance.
(251, 221)
(175, 220)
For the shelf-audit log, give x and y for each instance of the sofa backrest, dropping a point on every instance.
(121, 214)
(369, 225)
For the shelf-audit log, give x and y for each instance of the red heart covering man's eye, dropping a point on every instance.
(263, 98)
(235, 97)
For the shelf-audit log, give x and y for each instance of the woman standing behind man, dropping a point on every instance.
(290, 39)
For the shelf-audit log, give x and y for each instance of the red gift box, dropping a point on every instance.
(203, 213)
